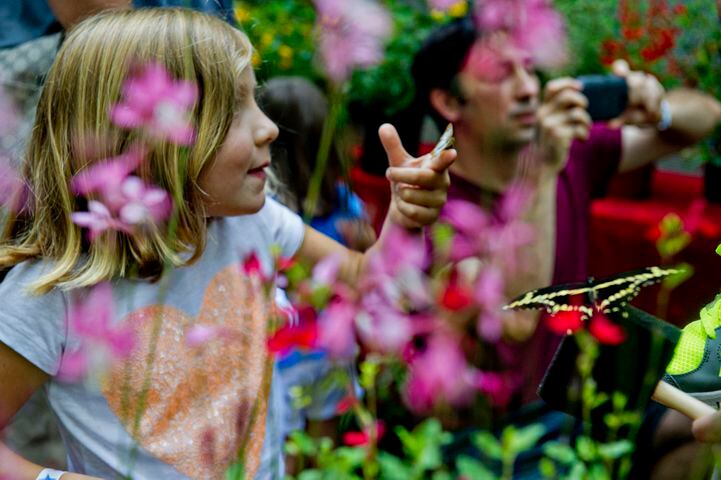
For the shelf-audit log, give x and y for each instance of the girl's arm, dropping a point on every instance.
(418, 192)
(19, 379)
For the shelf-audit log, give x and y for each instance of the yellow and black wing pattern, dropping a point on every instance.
(605, 295)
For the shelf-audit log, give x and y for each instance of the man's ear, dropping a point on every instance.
(446, 104)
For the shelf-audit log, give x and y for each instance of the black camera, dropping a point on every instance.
(607, 95)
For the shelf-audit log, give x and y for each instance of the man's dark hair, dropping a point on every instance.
(436, 65)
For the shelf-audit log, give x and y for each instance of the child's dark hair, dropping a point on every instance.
(299, 108)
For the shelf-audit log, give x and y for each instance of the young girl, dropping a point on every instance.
(192, 413)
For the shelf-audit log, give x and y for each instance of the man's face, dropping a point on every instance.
(501, 93)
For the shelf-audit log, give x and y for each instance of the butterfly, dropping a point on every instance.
(606, 295)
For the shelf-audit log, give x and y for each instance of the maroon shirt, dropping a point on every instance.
(591, 164)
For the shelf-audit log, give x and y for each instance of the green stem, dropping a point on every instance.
(321, 162)
(158, 318)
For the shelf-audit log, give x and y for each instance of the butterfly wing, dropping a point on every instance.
(554, 299)
(614, 292)
(603, 295)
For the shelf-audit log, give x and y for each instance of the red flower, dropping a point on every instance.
(455, 297)
(304, 335)
(357, 439)
(632, 33)
(285, 263)
(606, 331)
(345, 404)
(251, 265)
(565, 322)
(680, 9)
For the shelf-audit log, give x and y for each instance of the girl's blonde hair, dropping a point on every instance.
(84, 81)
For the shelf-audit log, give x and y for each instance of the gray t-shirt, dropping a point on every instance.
(204, 403)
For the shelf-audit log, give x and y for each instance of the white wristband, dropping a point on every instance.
(50, 474)
(666, 116)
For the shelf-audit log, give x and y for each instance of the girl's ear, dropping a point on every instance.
(446, 104)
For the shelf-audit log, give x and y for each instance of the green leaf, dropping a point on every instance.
(547, 468)
(560, 452)
(577, 472)
(310, 475)
(586, 448)
(525, 438)
(686, 271)
(441, 475)
(353, 457)
(488, 444)
(598, 471)
(615, 450)
(235, 472)
(392, 467)
(442, 236)
(368, 372)
(472, 469)
(304, 443)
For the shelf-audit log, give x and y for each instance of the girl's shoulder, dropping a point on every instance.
(273, 224)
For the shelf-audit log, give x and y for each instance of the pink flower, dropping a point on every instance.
(106, 177)
(382, 326)
(336, 329)
(484, 63)
(325, 272)
(359, 439)
(495, 386)
(91, 321)
(199, 335)
(155, 102)
(401, 251)
(352, 34)
(465, 217)
(532, 25)
(438, 375)
(98, 219)
(143, 204)
(490, 295)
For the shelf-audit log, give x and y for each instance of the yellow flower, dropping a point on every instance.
(286, 56)
(458, 9)
(266, 39)
(284, 51)
(242, 14)
(437, 15)
(255, 60)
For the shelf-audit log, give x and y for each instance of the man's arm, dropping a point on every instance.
(693, 116)
(70, 12)
(657, 123)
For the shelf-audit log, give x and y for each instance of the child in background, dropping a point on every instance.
(299, 108)
(205, 404)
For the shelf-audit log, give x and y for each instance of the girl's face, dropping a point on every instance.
(234, 183)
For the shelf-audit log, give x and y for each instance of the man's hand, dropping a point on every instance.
(645, 94)
(417, 192)
(562, 118)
